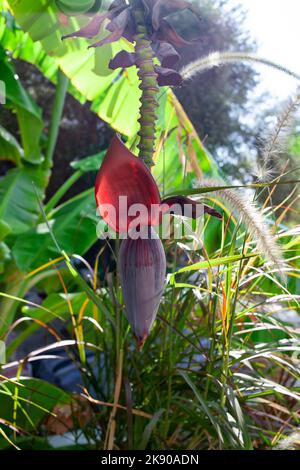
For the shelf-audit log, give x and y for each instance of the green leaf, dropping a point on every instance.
(150, 428)
(4, 230)
(31, 131)
(39, 18)
(215, 262)
(239, 416)
(4, 255)
(22, 47)
(9, 147)
(19, 208)
(102, 57)
(212, 189)
(55, 303)
(203, 404)
(87, 68)
(119, 105)
(28, 113)
(295, 146)
(87, 164)
(74, 226)
(34, 398)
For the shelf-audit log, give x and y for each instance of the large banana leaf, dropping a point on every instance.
(4, 255)
(28, 113)
(27, 403)
(42, 20)
(74, 226)
(19, 208)
(10, 148)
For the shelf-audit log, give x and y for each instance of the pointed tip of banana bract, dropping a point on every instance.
(213, 212)
(141, 341)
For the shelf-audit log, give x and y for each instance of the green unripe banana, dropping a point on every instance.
(74, 7)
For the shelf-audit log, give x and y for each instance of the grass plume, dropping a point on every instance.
(277, 142)
(253, 220)
(218, 59)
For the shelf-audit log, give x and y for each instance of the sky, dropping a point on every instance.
(275, 24)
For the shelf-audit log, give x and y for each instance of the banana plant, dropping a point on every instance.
(18, 207)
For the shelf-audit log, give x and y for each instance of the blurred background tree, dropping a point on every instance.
(218, 99)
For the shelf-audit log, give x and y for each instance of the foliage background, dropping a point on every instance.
(221, 369)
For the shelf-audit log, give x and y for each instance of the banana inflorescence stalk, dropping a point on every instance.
(148, 76)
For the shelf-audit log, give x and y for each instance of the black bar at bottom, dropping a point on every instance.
(134, 459)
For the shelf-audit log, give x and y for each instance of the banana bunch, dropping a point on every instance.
(78, 7)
